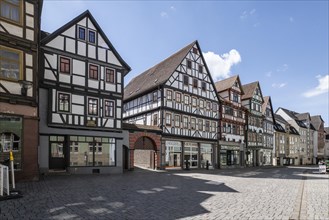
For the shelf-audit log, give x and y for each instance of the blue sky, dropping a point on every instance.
(281, 44)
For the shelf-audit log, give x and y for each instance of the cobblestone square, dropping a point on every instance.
(247, 193)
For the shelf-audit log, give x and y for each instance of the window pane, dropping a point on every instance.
(92, 38)
(82, 33)
(9, 64)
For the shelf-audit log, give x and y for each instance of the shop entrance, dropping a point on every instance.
(191, 154)
(145, 153)
(57, 153)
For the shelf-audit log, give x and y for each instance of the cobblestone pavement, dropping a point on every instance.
(248, 193)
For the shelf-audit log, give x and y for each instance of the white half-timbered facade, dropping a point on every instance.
(177, 95)
(19, 37)
(232, 122)
(268, 135)
(253, 101)
(82, 84)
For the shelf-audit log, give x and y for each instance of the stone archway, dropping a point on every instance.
(145, 153)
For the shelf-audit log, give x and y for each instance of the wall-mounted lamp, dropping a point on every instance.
(25, 85)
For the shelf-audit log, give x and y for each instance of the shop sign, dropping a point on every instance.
(190, 144)
(91, 123)
(174, 143)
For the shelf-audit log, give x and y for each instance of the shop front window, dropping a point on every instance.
(92, 151)
(173, 153)
(206, 154)
(10, 139)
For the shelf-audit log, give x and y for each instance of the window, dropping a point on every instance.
(189, 64)
(193, 124)
(92, 106)
(185, 122)
(155, 119)
(65, 65)
(208, 105)
(195, 83)
(213, 126)
(200, 69)
(195, 51)
(168, 119)
(185, 80)
(178, 97)
(186, 99)
(10, 63)
(155, 96)
(177, 121)
(203, 86)
(194, 101)
(201, 104)
(92, 37)
(11, 10)
(200, 126)
(82, 33)
(109, 108)
(235, 97)
(109, 78)
(93, 72)
(228, 110)
(207, 126)
(169, 95)
(214, 107)
(63, 102)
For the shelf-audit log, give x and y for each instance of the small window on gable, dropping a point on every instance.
(155, 96)
(92, 36)
(82, 33)
(185, 80)
(110, 76)
(195, 83)
(203, 86)
(189, 64)
(195, 50)
(200, 68)
(65, 65)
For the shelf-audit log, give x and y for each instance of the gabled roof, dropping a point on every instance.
(279, 118)
(291, 114)
(249, 90)
(228, 83)
(156, 75)
(317, 121)
(49, 37)
(293, 130)
(303, 116)
(267, 100)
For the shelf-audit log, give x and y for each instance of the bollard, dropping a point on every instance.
(11, 159)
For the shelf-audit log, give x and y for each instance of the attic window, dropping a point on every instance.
(92, 36)
(195, 51)
(82, 33)
(189, 64)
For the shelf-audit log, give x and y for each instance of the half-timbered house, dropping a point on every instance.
(177, 95)
(268, 122)
(19, 36)
(253, 101)
(81, 89)
(232, 122)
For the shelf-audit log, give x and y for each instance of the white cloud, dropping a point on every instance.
(269, 74)
(164, 14)
(279, 85)
(172, 8)
(220, 65)
(283, 68)
(323, 87)
(246, 14)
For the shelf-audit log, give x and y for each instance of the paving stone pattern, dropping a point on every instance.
(247, 193)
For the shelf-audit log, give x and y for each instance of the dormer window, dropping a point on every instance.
(82, 33)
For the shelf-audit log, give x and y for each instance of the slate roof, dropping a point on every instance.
(303, 116)
(156, 75)
(291, 114)
(278, 127)
(48, 37)
(317, 121)
(279, 118)
(225, 84)
(249, 90)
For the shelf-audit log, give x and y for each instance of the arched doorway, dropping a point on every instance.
(145, 153)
